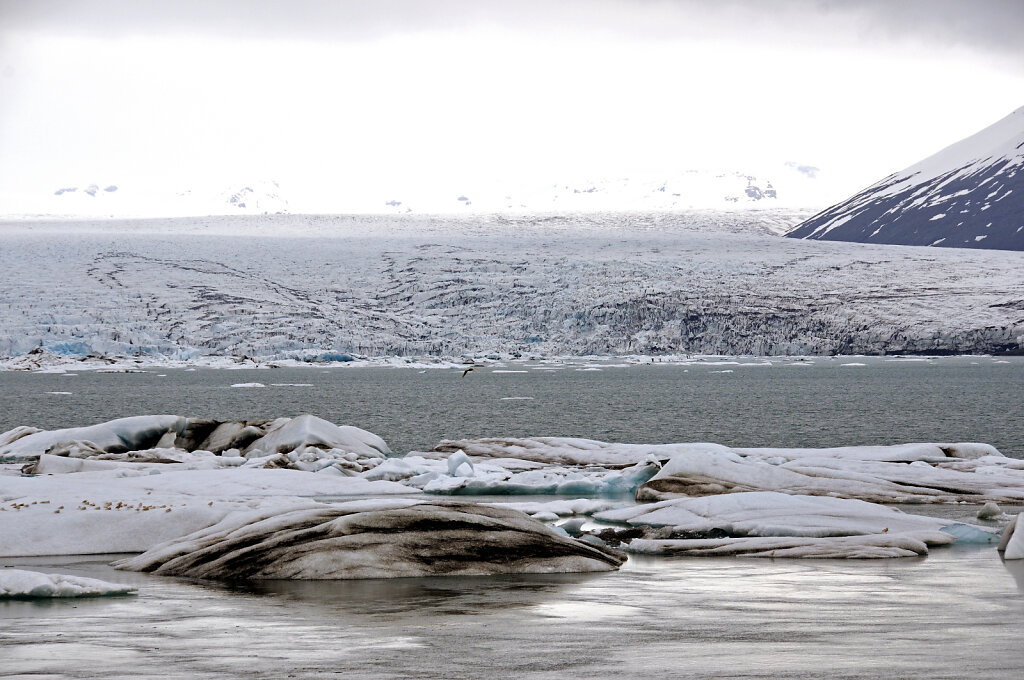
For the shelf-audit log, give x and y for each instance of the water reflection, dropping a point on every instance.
(914, 618)
(433, 596)
(1016, 569)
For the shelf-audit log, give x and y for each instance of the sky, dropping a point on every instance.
(339, 100)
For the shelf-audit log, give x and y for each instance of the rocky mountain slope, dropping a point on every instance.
(969, 195)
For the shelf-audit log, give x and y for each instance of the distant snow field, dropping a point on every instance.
(338, 288)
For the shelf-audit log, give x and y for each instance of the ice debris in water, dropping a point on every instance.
(968, 533)
(989, 511)
(303, 443)
(771, 524)
(18, 583)
(459, 465)
(1012, 543)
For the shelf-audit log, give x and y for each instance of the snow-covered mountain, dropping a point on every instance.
(789, 185)
(126, 201)
(299, 286)
(969, 195)
(259, 198)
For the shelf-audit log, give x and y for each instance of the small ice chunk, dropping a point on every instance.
(1012, 543)
(459, 465)
(574, 526)
(18, 583)
(968, 533)
(989, 511)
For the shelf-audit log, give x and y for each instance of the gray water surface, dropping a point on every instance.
(825, 402)
(953, 614)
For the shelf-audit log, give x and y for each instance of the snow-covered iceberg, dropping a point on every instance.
(131, 483)
(302, 443)
(871, 546)
(458, 474)
(559, 450)
(1012, 543)
(770, 524)
(374, 539)
(22, 584)
(903, 473)
(914, 473)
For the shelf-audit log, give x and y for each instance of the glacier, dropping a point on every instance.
(323, 288)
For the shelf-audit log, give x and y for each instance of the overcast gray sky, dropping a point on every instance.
(334, 96)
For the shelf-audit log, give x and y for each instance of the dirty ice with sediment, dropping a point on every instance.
(303, 498)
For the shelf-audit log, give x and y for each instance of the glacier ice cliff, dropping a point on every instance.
(334, 287)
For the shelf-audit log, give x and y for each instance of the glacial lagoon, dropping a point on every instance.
(951, 614)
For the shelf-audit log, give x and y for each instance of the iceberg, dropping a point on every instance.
(766, 523)
(115, 436)
(1012, 543)
(850, 547)
(303, 443)
(927, 475)
(21, 584)
(374, 539)
(459, 474)
(125, 510)
(902, 473)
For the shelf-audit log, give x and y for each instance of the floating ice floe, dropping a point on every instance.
(21, 584)
(458, 474)
(374, 539)
(126, 485)
(304, 443)
(125, 511)
(909, 473)
(551, 510)
(770, 524)
(904, 473)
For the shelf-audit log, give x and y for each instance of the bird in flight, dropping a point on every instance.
(471, 368)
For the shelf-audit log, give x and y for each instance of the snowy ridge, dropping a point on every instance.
(610, 284)
(790, 185)
(969, 195)
(130, 201)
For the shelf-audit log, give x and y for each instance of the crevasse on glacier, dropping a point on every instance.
(300, 286)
